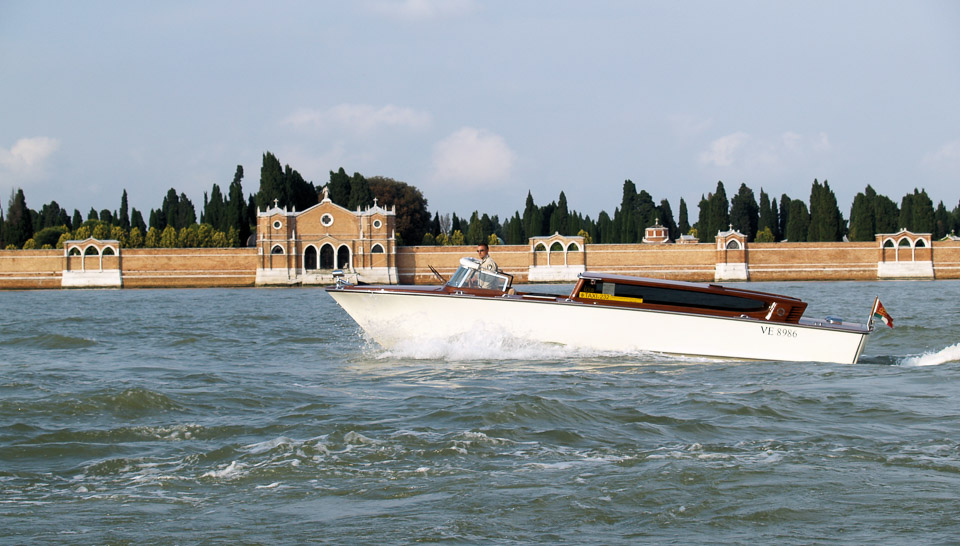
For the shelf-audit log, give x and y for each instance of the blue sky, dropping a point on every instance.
(476, 103)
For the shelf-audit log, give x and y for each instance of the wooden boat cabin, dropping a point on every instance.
(685, 297)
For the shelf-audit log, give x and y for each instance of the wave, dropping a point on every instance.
(51, 341)
(948, 354)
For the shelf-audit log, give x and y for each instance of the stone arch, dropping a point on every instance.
(888, 243)
(572, 247)
(326, 256)
(540, 247)
(733, 244)
(108, 251)
(920, 243)
(91, 251)
(377, 249)
(904, 241)
(277, 249)
(310, 258)
(343, 257)
(74, 251)
(557, 246)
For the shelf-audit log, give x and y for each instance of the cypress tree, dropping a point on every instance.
(666, 219)
(237, 211)
(916, 212)
(627, 220)
(271, 184)
(826, 223)
(77, 220)
(339, 187)
(215, 210)
(799, 222)
(136, 221)
(360, 195)
(768, 215)
(941, 220)
(683, 225)
(559, 218)
(744, 212)
(784, 216)
(18, 227)
(124, 211)
(863, 223)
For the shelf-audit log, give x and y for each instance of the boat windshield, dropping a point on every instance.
(470, 275)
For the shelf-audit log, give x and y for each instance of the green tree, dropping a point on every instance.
(119, 234)
(413, 218)
(683, 226)
(339, 187)
(49, 235)
(765, 235)
(942, 222)
(863, 223)
(360, 194)
(271, 183)
(124, 211)
(135, 240)
(916, 212)
(798, 222)
(18, 227)
(784, 216)
(744, 212)
(768, 216)
(457, 239)
(714, 214)
(215, 209)
(560, 216)
(187, 237)
(237, 210)
(826, 222)
(168, 238)
(152, 239)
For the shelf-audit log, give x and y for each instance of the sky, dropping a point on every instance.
(478, 102)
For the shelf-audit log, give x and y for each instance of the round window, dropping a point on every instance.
(276, 224)
(326, 220)
(377, 224)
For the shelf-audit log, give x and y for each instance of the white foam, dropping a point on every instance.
(230, 471)
(949, 354)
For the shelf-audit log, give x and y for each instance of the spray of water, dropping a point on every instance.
(949, 354)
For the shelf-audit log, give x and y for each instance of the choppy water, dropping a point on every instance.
(261, 416)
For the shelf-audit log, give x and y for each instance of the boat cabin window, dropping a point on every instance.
(475, 278)
(660, 295)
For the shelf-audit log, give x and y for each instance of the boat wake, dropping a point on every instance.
(949, 354)
(498, 345)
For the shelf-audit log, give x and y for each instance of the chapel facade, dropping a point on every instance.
(307, 247)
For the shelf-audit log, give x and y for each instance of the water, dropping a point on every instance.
(262, 416)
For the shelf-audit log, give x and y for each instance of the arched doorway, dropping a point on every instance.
(310, 258)
(343, 257)
(326, 257)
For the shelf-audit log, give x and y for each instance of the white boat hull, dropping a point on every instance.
(390, 317)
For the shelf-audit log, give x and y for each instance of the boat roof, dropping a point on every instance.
(698, 286)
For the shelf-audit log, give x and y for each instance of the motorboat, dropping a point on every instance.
(606, 313)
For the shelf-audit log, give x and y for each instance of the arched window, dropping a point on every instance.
(904, 242)
(556, 247)
(90, 251)
(888, 243)
(920, 243)
(310, 257)
(343, 257)
(108, 251)
(540, 247)
(733, 244)
(572, 247)
(74, 251)
(377, 249)
(277, 249)
(326, 256)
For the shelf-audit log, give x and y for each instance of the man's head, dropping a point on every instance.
(483, 249)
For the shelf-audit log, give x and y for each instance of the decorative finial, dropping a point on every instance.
(276, 203)
(374, 201)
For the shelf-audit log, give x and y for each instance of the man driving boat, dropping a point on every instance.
(487, 264)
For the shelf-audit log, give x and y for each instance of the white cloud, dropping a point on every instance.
(945, 158)
(722, 152)
(474, 157)
(28, 156)
(422, 10)
(361, 118)
(744, 151)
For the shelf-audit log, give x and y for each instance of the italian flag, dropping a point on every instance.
(879, 313)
